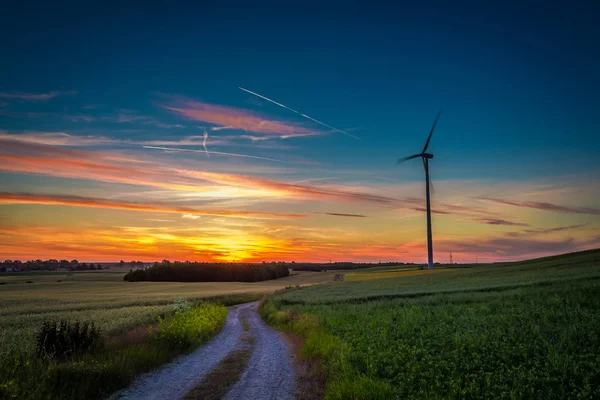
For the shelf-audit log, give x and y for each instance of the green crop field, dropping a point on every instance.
(514, 330)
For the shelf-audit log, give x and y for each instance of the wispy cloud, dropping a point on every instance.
(36, 96)
(80, 118)
(18, 156)
(205, 151)
(545, 206)
(57, 139)
(237, 118)
(67, 139)
(77, 201)
(344, 215)
(433, 211)
(501, 247)
(131, 116)
(543, 231)
(497, 221)
(191, 216)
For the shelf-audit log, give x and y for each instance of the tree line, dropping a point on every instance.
(207, 272)
(48, 265)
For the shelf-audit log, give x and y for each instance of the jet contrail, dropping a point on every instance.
(299, 113)
(204, 143)
(266, 98)
(215, 152)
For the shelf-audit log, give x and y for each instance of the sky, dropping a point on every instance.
(94, 100)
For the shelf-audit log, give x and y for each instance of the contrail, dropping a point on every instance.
(204, 143)
(266, 98)
(215, 152)
(331, 127)
(299, 113)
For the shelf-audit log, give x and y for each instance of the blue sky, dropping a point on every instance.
(518, 85)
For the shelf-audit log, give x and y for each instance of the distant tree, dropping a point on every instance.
(121, 263)
(74, 262)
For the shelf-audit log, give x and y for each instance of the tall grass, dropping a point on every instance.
(96, 374)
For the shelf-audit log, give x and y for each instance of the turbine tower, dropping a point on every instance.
(425, 157)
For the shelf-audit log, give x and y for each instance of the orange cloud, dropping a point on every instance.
(298, 191)
(78, 201)
(59, 161)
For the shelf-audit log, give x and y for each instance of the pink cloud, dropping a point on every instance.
(238, 118)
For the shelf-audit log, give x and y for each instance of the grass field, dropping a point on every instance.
(116, 307)
(516, 330)
(104, 297)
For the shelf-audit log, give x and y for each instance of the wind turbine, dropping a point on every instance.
(425, 157)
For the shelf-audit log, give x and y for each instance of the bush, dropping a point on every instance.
(64, 339)
(181, 305)
(186, 329)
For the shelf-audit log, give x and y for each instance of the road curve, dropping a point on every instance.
(269, 374)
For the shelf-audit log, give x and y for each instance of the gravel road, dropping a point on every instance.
(269, 374)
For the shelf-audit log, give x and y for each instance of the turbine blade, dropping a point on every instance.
(431, 132)
(401, 160)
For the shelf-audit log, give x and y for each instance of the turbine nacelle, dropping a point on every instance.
(426, 155)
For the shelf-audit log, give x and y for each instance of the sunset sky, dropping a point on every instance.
(83, 90)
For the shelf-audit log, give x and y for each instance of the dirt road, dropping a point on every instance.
(269, 374)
